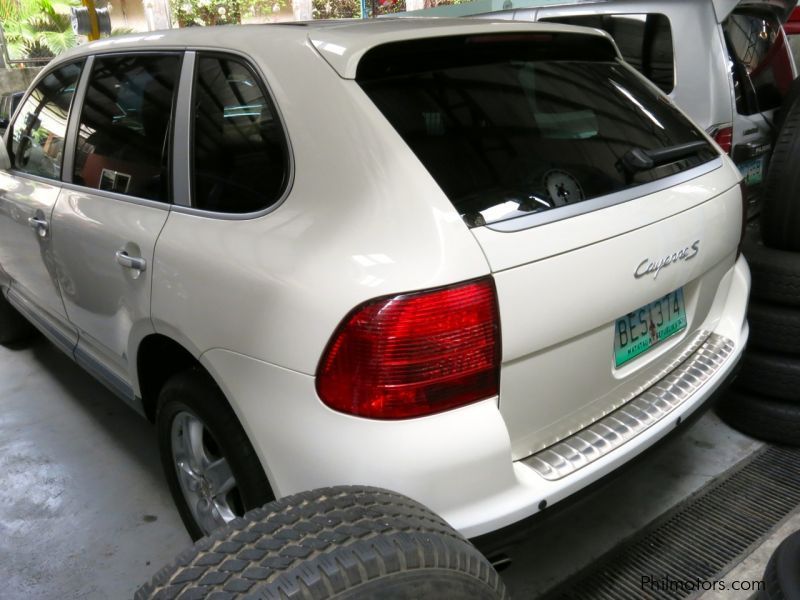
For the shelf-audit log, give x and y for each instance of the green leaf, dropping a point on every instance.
(58, 41)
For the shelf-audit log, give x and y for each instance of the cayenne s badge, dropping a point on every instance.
(648, 266)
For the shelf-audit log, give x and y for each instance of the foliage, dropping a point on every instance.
(335, 9)
(351, 9)
(122, 31)
(188, 13)
(37, 28)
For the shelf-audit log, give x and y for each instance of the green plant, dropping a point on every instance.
(37, 28)
(189, 13)
(335, 9)
(351, 9)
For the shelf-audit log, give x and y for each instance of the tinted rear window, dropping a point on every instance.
(515, 124)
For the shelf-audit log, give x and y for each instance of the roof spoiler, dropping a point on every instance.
(780, 8)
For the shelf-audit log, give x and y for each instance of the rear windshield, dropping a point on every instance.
(513, 124)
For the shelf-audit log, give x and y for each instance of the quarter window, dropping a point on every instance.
(762, 72)
(240, 156)
(37, 136)
(123, 138)
(644, 40)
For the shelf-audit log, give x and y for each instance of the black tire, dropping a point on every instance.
(343, 543)
(13, 326)
(194, 392)
(772, 375)
(762, 418)
(774, 328)
(780, 212)
(776, 273)
(782, 576)
(788, 102)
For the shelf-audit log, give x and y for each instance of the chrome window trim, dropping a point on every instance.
(74, 187)
(181, 133)
(71, 138)
(566, 212)
(38, 178)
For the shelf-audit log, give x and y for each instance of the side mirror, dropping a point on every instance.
(5, 160)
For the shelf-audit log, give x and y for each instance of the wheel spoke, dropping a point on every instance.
(196, 450)
(205, 480)
(220, 477)
(189, 477)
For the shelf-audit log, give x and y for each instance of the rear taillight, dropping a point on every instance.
(723, 135)
(743, 190)
(414, 354)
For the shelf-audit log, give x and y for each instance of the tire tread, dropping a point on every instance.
(377, 531)
(780, 215)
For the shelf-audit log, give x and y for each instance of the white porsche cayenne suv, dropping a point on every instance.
(480, 263)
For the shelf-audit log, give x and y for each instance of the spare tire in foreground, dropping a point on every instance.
(776, 274)
(346, 543)
(780, 213)
(760, 417)
(782, 577)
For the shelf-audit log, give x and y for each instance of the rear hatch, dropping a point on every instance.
(607, 218)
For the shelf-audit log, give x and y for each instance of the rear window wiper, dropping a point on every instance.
(639, 159)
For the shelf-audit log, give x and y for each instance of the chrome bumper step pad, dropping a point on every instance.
(672, 387)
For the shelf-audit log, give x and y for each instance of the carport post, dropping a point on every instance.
(94, 33)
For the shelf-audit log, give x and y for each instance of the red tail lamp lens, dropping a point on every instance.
(414, 354)
(724, 137)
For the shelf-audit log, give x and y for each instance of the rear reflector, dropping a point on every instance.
(414, 354)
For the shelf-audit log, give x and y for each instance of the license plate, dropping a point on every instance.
(753, 170)
(640, 330)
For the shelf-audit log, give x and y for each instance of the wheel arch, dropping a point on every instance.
(159, 357)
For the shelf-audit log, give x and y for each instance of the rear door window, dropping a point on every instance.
(517, 124)
(644, 40)
(123, 139)
(762, 69)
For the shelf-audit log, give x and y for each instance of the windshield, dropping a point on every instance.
(513, 124)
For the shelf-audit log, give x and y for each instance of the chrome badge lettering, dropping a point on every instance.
(648, 266)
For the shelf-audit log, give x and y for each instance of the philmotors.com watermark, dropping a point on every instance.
(652, 583)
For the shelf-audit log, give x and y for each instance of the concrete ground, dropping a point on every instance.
(85, 511)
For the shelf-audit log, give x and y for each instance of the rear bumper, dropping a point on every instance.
(534, 493)
(458, 462)
(501, 541)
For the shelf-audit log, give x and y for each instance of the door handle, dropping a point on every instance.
(40, 225)
(136, 263)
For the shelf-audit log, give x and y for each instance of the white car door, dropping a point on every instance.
(115, 202)
(28, 192)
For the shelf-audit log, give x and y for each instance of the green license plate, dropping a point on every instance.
(753, 170)
(640, 330)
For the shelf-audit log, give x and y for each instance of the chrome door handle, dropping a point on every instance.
(131, 262)
(40, 225)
